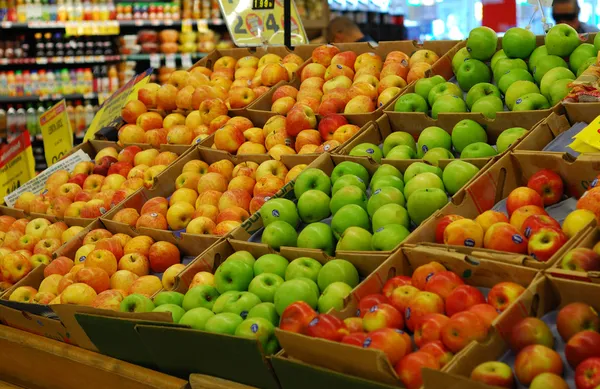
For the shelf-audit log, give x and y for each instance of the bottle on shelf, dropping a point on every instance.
(79, 119)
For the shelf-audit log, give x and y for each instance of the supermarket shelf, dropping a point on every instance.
(88, 59)
(314, 24)
(147, 57)
(36, 98)
(122, 23)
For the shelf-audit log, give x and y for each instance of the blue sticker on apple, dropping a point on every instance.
(243, 314)
(379, 229)
(595, 182)
(407, 313)
(527, 232)
(469, 50)
(424, 148)
(399, 331)
(366, 343)
(429, 277)
(377, 191)
(360, 179)
(82, 259)
(254, 327)
(518, 101)
(275, 213)
(373, 308)
(518, 239)
(313, 322)
(370, 151)
(358, 313)
(102, 210)
(339, 66)
(469, 242)
(404, 62)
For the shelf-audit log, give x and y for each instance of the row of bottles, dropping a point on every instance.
(48, 45)
(26, 11)
(18, 119)
(149, 11)
(100, 80)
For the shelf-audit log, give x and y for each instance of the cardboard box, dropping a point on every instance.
(546, 294)
(386, 125)
(443, 67)
(488, 189)
(373, 364)
(587, 240)
(383, 49)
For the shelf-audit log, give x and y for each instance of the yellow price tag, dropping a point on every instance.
(17, 165)
(589, 136)
(258, 22)
(56, 132)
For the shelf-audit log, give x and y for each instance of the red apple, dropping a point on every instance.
(548, 184)
(534, 223)
(522, 196)
(530, 331)
(505, 237)
(461, 329)
(583, 345)
(409, 368)
(401, 296)
(430, 328)
(393, 283)
(367, 302)
(382, 316)
(534, 360)
(296, 317)
(503, 294)
(439, 352)
(390, 341)
(576, 317)
(355, 338)
(326, 326)
(443, 283)
(419, 306)
(441, 226)
(544, 243)
(587, 374)
(423, 274)
(462, 298)
(486, 312)
(329, 124)
(581, 259)
(494, 373)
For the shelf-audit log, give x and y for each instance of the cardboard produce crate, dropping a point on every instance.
(230, 357)
(372, 364)
(543, 299)
(384, 48)
(386, 125)
(587, 240)
(487, 190)
(443, 67)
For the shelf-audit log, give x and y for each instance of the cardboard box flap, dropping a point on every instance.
(39, 325)
(295, 374)
(203, 381)
(181, 352)
(437, 379)
(366, 363)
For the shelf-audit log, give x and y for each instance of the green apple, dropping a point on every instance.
(271, 263)
(312, 178)
(337, 270)
(354, 239)
(448, 104)
(262, 330)
(411, 102)
(388, 170)
(317, 236)
(168, 298)
(559, 90)
(457, 174)
(518, 42)
(461, 56)
(497, 56)
(549, 62)
(518, 89)
(238, 302)
(418, 168)
(597, 42)
(201, 296)
(266, 311)
(538, 53)
(279, 210)
(513, 76)
(388, 237)
(350, 215)
(465, 132)
(235, 275)
(434, 155)
(382, 181)
(445, 89)
(432, 137)
(580, 54)
(424, 85)
(382, 196)
(482, 43)
(551, 77)
(303, 267)
(349, 167)
(399, 138)
(478, 150)
(481, 90)
(313, 205)
(348, 180)
(196, 318)
(531, 102)
(401, 152)
(242, 255)
(508, 137)
(561, 40)
(175, 310)
(279, 234)
(504, 65)
(390, 214)
(367, 150)
(294, 290)
(311, 283)
(585, 65)
(223, 323)
(264, 286)
(348, 195)
(472, 72)
(422, 181)
(424, 202)
(488, 106)
(333, 297)
(136, 303)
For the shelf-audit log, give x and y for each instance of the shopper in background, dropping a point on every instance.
(567, 11)
(344, 30)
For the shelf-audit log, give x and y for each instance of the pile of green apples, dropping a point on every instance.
(356, 212)
(468, 139)
(246, 296)
(525, 76)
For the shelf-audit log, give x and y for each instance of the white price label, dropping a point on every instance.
(154, 61)
(170, 60)
(186, 61)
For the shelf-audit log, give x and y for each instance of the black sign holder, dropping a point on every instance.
(287, 23)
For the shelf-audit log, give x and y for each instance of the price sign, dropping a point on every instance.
(56, 132)
(588, 139)
(259, 22)
(17, 165)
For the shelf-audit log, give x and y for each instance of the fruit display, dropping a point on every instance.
(91, 188)
(523, 76)
(26, 244)
(206, 198)
(420, 317)
(582, 260)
